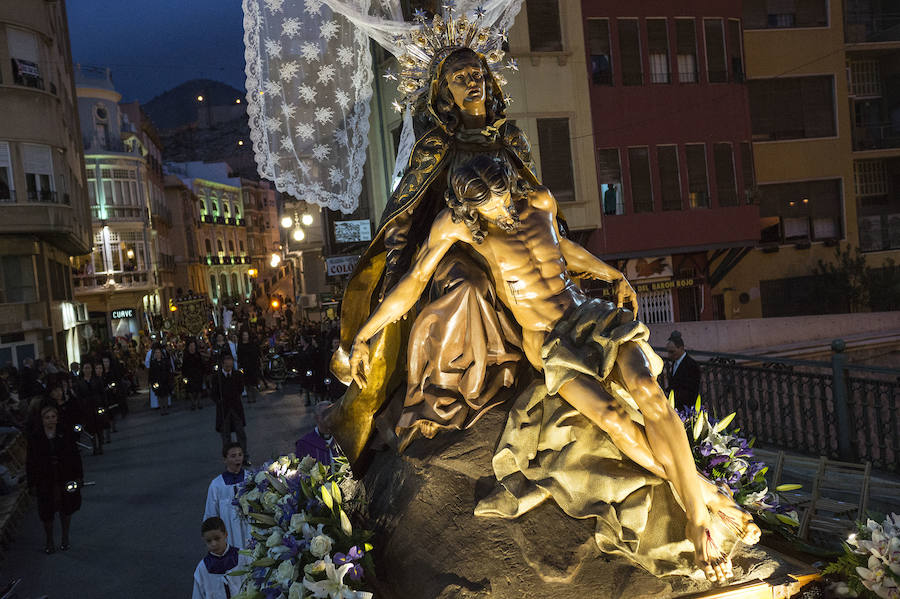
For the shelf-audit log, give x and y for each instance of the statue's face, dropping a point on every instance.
(465, 79)
(500, 210)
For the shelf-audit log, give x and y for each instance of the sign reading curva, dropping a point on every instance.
(126, 313)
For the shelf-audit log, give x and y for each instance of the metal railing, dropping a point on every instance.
(138, 278)
(835, 408)
(875, 136)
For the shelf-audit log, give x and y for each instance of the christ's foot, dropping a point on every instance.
(708, 553)
(737, 520)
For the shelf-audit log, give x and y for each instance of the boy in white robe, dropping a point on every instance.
(211, 580)
(221, 494)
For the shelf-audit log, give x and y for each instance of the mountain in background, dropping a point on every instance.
(179, 106)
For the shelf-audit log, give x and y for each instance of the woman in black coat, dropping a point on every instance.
(160, 377)
(55, 474)
(91, 394)
(249, 360)
(193, 370)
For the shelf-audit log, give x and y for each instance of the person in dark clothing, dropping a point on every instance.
(90, 391)
(29, 381)
(248, 358)
(610, 201)
(114, 391)
(227, 388)
(318, 443)
(68, 412)
(160, 378)
(684, 373)
(54, 473)
(193, 369)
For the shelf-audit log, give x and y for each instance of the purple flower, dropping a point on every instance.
(717, 460)
(341, 559)
(355, 573)
(291, 543)
(355, 553)
(705, 449)
(273, 592)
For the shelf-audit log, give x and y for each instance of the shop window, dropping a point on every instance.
(639, 172)
(714, 34)
(658, 46)
(544, 31)
(726, 186)
(609, 175)
(792, 107)
(801, 211)
(686, 42)
(669, 179)
(630, 52)
(556, 158)
(698, 180)
(598, 46)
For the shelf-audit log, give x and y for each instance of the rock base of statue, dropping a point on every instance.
(431, 545)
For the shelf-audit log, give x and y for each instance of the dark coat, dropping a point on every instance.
(685, 382)
(248, 359)
(30, 385)
(50, 465)
(312, 444)
(91, 395)
(160, 377)
(226, 392)
(193, 369)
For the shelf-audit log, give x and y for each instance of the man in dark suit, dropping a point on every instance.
(684, 373)
(227, 388)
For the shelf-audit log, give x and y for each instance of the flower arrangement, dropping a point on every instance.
(303, 544)
(727, 459)
(870, 564)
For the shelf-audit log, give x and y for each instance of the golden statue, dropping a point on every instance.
(470, 271)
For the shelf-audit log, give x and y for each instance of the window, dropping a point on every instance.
(213, 287)
(670, 182)
(208, 246)
(37, 162)
(630, 52)
(735, 53)
(792, 107)
(17, 283)
(7, 184)
(235, 287)
(25, 57)
(747, 171)
(231, 247)
(686, 41)
(544, 31)
(225, 209)
(598, 45)
(776, 14)
(641, 188)
(698, 182)
(658, 44)
(802, 211)
(241, 245)
(220, 246)
(609, 175)
(91, 185)
(59, 276)
(223, 284)
(716, 71)
(101, 125)
(556, 158)
(726, 187)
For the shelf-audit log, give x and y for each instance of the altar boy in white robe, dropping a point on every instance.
(211, 580)
(221, 494)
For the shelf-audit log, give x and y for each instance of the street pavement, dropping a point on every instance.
(137, 534)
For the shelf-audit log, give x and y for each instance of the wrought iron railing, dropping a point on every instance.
(831, 408)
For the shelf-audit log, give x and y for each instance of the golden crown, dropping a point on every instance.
(426, 46)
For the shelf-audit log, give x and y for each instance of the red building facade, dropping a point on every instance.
(672, 138)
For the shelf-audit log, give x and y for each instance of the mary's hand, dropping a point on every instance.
(625, 294)
(359, 362)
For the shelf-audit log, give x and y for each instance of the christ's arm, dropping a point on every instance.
(444, 233)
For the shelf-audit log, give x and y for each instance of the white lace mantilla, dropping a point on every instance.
(309, 87)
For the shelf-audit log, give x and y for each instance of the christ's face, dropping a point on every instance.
(500, 211)
(465, 79)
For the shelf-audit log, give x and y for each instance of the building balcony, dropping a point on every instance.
(35, 197)
(872, 29)
(57, 222)
(138, 279)
(876, 136)
(226, 260)
(223, 220)
(118, 213)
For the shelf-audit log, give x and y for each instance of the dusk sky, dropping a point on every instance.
(152, 46)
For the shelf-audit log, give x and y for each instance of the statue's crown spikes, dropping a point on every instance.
(425, 47)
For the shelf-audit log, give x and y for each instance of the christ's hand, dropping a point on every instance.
(359, 362)
(625, 294)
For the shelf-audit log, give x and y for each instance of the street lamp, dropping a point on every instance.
(307, 219)
(298, 234)
(199, 98)
(286, 222)
(275, 260)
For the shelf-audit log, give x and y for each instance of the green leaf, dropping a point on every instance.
(345, 523)
(326, 497)
(787, 520)
(277, 484)
(307, 490)
(336, 492)
(263, 562)
(724, 422)
(698, 404)
(788, 487)
(671, 399)
(238, 572)
(698, 426)
(263, 518)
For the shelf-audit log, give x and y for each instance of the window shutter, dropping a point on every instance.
(22, 45)
(5, 160)
(755, 14)
(669, 180)
(641, 188)
(812, 13)
(725, 183)
(781, 7)
(609, 169)
(36, 159)
(717, 72)
(556, 158)
(698, 184)
(630, 52)
(544, 29)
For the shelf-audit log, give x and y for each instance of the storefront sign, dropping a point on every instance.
(664, 285)
(350, 231)
(648, 268)
(341, 265)
(126, 313)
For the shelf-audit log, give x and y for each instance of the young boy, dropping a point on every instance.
(210, 578)
(222, 491)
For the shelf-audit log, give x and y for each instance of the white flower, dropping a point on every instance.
(296, 591)
(328, 30)
(310, 51)
(333, 586)
(320, 152)
(273, 48)
(306, 464)
(286, 573)
(307, 92)
(288, 70)
(290, 27)
(324, 114)
(252, 495)
(345, 55)
(297, 522)
(326, 74)
(320, 545)
(275, 538)
(260, 476)
(304, 131)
